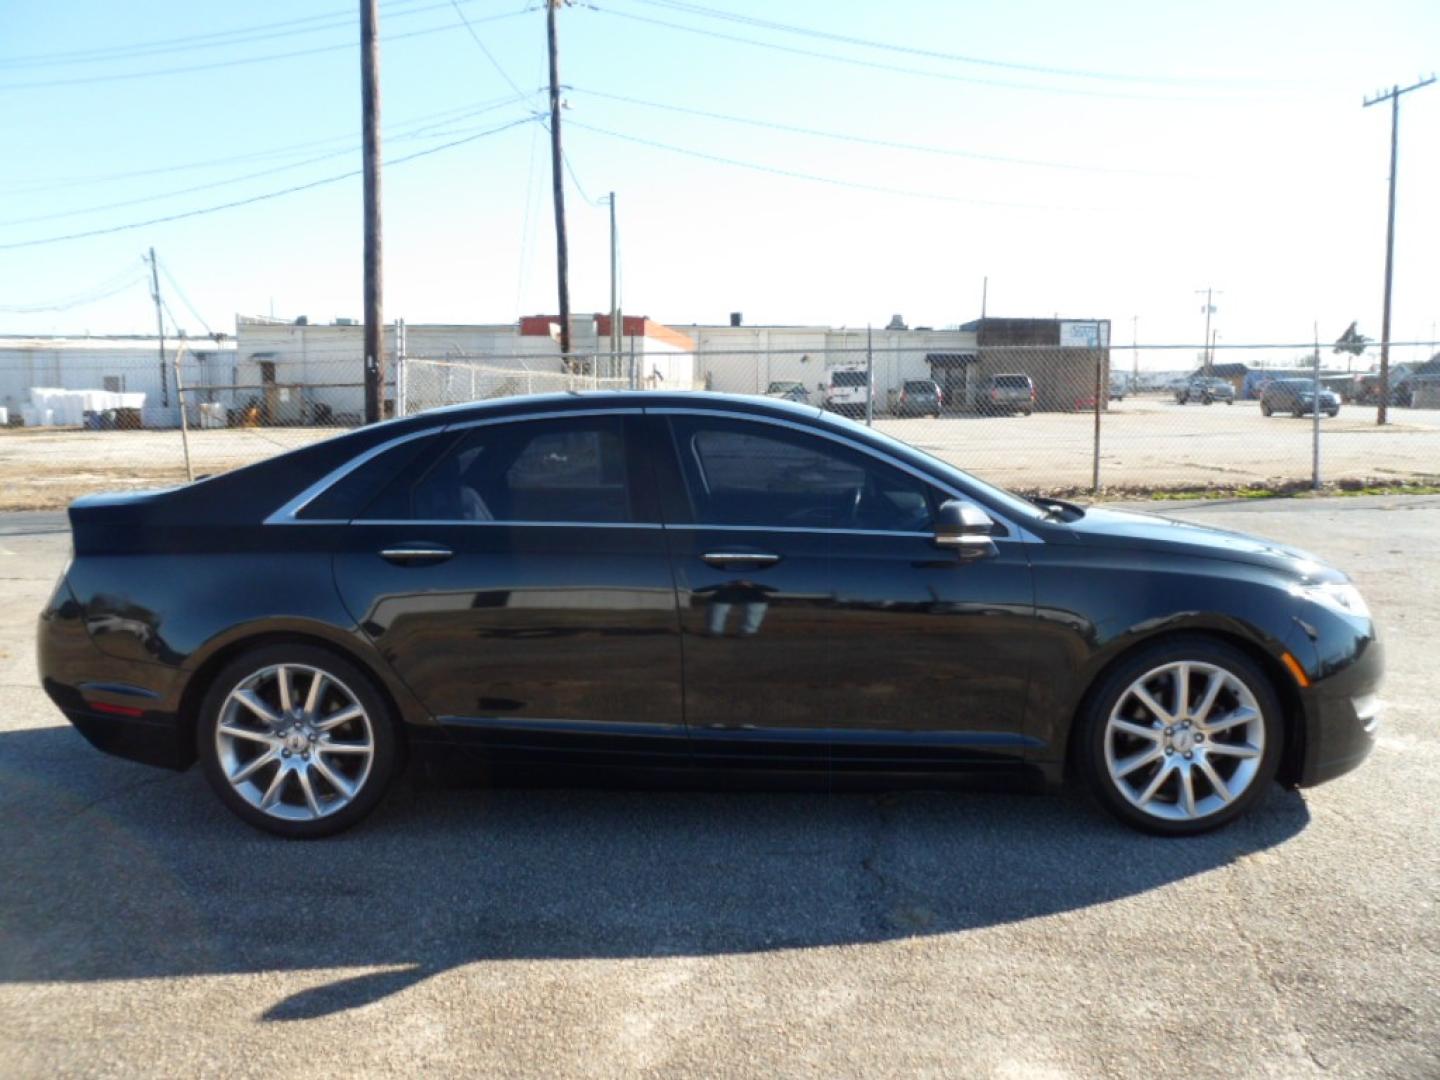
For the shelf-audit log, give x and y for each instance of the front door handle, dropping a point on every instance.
(732, 558)
(415, 554)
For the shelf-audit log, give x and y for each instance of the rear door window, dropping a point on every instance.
(562, 470)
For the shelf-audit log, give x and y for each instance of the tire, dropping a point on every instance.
(1230, 401)
(1332, 413)
(1244, 769)
(304, 790)
(1299, 414)
(1265, 410)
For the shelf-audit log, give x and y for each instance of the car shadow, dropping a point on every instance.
(116, 871)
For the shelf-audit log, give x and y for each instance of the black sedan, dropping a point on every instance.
(1297, 397)
(690, 586)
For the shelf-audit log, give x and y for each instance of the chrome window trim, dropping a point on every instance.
(803, 529)
(1019, 534)
(286, 514)
(447, 523)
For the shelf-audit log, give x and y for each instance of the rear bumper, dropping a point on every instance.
(1343, 715)
(123, 707)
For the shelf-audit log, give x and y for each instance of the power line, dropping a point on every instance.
(481, 45)
(259, 198)
(111, 286)
(895, 68)
(184, 300)
(424, 122)
(830, 180)
(343, 151)
(218, 64)
(241, 35)
(933, 54)
(888, 143)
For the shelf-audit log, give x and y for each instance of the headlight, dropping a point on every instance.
(1341, 596)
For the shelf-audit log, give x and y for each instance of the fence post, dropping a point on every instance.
(869, 381)
(1315, 417)
(180, 400)
(1095, 464)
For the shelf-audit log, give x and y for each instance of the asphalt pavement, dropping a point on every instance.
(143, 930)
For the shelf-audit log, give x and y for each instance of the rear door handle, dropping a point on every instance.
(731, 558)
(415, 554)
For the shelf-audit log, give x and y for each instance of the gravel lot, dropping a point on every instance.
(1145, 443)
(514, 933)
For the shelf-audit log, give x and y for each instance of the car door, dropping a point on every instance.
(821, 624)
(516, 580)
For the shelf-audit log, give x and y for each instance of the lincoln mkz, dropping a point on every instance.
(698, 588)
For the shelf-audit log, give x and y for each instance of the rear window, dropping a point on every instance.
(919, 387)
(848, 378)
(1013, 382)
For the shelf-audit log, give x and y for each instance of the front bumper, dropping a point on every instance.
(1343, 713)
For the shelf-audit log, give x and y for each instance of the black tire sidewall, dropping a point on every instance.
(382, 768)
(1091, 750)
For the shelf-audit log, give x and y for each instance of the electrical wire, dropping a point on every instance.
(887, 143)
(910, 50)
(392, 131)
(242, 35)
(183, 298)
(218, 64)
(210, 185)
(876, 65)
(111, 286)
(259, 198)
(830, 180)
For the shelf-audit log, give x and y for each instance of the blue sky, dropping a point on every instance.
(1104, 159)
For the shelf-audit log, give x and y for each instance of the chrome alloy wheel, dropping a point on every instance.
(1184, 740)
(294, 742)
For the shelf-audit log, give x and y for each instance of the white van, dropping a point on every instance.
(847, 391)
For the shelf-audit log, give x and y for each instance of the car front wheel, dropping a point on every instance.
(295, 740)
(1182, 738)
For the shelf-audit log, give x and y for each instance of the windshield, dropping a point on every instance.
(782, 387)
(1013, 382)
(919, 388)
(848, 378)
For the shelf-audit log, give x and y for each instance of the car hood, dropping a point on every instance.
(1138, 531)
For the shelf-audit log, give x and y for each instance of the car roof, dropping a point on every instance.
(582, 400)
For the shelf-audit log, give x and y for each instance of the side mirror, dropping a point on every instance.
(965, 527)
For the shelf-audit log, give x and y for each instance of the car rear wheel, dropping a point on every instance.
(295, 740)
(1182, 738)
(1265, 410)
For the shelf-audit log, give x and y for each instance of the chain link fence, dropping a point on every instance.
(1078, 421)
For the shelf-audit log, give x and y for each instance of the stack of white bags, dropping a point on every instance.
(68, 407)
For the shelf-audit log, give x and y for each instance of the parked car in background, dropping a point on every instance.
(788, 390)
(847, 391)
(1006, 395)
(1297, 396)
(919, 397)
(1207, 391)
(1402, 391)
(669, 583)
(1119, 387)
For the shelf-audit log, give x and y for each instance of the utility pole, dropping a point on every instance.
(562, 248)
(370, 125)
(160, 329)
(1134, 354)
(1208, 362)
(615, 330)
(1392, 96)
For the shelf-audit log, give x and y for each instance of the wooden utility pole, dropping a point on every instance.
(1208, 358)
(370, 123)
(160, 329)
(557, 163)
(1392, 96)
(615, 328)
